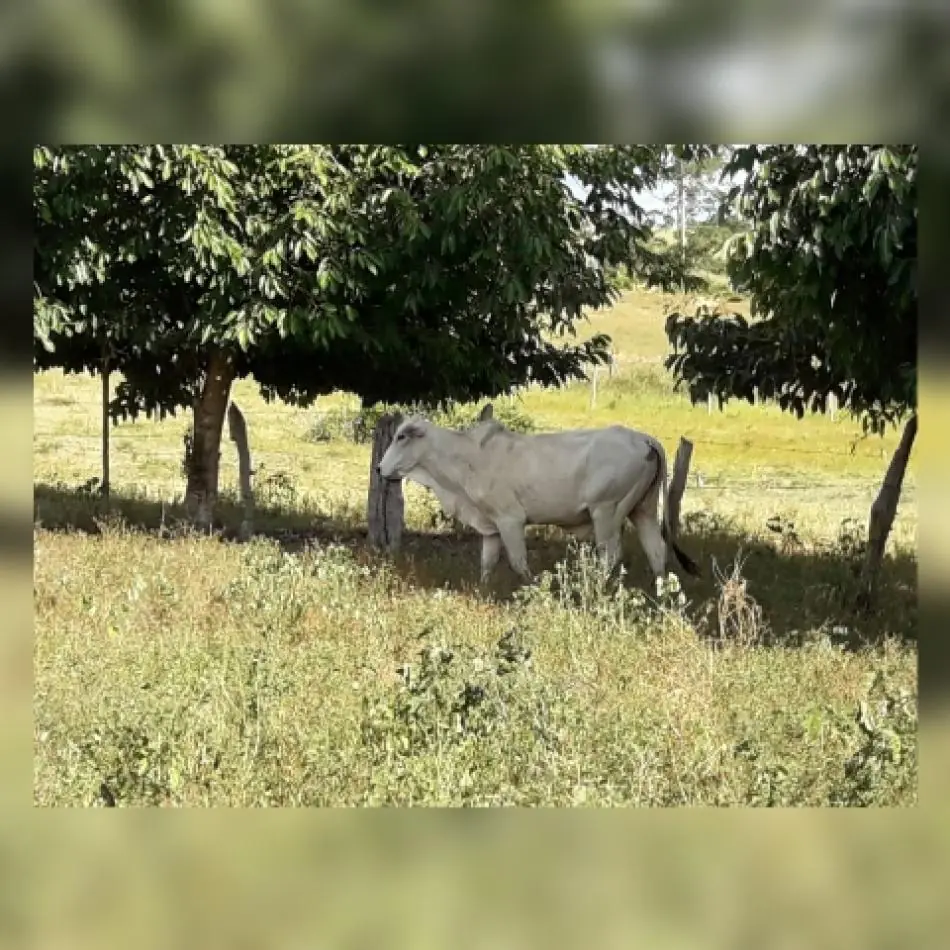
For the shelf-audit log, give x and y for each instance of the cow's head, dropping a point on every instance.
(404, 451)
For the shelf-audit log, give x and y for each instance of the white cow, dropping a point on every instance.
(587, 481)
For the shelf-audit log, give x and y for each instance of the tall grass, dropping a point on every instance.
(183, 672)
(301, 668)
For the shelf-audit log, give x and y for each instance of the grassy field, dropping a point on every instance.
(302, 668)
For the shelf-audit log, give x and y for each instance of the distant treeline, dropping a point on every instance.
(705, 262)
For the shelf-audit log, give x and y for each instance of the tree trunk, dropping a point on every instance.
(106, 428)
(385, 507)
(237, 429)
(202, 491)
(678, 483)
(883, 511)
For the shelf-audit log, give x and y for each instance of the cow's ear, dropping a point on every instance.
(489, 431)
(487, 413)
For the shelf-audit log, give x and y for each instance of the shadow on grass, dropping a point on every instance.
(800, 588)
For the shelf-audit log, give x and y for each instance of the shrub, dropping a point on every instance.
(883, 768)
(358, 425)
(465, 415)
(461, 725)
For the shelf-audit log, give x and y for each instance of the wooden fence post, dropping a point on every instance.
(831, 405)
(755, 395)
(237, 429)
(386, 507)
(678, 482)
(593, 388)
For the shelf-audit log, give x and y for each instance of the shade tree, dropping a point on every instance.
(398, 272)
(829, 260)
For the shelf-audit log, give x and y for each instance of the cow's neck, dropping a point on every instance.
(451, 468)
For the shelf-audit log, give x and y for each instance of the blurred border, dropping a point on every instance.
(16, 472)
(934, 458)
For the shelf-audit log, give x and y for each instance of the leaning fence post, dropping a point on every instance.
(386, 507)
(237, 429)
(678, 482)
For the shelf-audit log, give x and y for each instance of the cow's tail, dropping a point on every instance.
(666, 530)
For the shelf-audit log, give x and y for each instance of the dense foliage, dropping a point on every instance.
(830, 262)
(414, 272)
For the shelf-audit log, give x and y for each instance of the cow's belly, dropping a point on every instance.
(560, 516)
(558, 504)
(567, 500)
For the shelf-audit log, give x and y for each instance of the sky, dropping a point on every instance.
(651, 199)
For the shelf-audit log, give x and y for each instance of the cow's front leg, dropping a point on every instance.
(491, 551)
(512, 535)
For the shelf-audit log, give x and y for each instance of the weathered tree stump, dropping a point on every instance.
(883, 511)
(237, 429)
(678, 482)
(386, 507)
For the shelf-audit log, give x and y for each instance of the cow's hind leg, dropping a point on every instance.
(644, 515)
(491, 552)
(651, 538)
(607, 534)
(512, 536)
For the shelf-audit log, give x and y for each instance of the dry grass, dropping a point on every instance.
(177, 669)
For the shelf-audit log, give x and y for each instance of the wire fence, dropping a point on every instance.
(117, 440)
(699, 480)
(138, 439)
(781, 447)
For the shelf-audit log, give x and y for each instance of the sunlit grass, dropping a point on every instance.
(178, 669)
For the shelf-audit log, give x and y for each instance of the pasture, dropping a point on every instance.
(301, 668)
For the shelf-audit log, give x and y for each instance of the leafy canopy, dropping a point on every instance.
(399, 272)
(830, 261)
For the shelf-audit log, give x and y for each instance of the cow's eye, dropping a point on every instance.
(400, 437)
